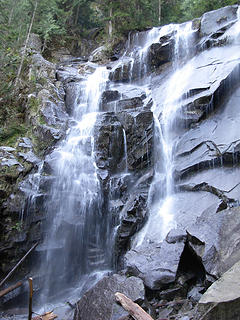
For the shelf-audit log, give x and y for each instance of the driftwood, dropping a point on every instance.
(134, 309)
(30, 312)
(19, 262)
(10, 289)
(46, 316)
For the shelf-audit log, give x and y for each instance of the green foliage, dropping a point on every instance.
(17, 226)
(195, 8)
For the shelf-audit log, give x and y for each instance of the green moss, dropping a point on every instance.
(34, 104)
(41, 119)
(10, 134)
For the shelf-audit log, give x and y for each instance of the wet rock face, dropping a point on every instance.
(139, 131)
(161, 53)
(162, 267)
(123, 144)
(218, 19)
(109, 142)
(99, 302)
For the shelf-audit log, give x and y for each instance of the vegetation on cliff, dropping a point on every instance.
(63, 22)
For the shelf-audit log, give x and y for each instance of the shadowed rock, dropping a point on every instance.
(100, 303)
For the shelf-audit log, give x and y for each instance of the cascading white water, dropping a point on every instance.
(76, 241)
(161, 193)
(137, 48)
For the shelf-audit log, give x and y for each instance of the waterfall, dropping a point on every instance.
(76, 231)
(161, 194)
(78, 236)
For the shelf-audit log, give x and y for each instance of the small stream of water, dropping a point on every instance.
(77, 232)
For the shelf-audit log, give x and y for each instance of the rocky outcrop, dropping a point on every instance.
(109, 143)
(121, 72)
(123, 144)
(212, 21)
(139, 132)
(221, 301)
(99, 302)
(162, 52)
(44, 124)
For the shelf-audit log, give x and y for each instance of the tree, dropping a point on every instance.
(195, 8)
(26, 42)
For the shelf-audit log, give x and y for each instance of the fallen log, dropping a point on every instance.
(134, 309)
(19, 262)
(10, 289)
(46, 316)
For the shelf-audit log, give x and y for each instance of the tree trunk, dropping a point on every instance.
(11, 12)
(110, 26)
(26, 43)
(77, 15)
(159, 11)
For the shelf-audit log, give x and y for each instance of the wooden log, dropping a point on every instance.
(134, 309)
(46, 316)
(19, 262)
(30, 299)
(10, 289)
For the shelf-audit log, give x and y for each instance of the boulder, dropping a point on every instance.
(217, 235)
(72, 91)
(68, 74)
(222, 299)
(155, 263)
(127, 97)
(109, 100)
(100, 303)
(34, 43)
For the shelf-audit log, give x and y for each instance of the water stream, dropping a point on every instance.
(76, 230)
(162, 189)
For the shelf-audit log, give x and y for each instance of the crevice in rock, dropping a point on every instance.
(208, 143)
(190, 268)
(227, 159)
(226, 202)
